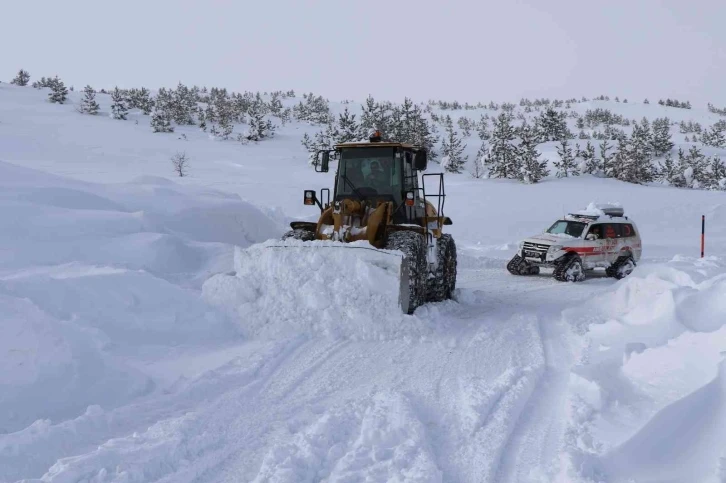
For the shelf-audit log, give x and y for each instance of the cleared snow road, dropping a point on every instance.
(482, 398)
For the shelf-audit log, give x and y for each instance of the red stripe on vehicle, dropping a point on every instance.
(581, 250)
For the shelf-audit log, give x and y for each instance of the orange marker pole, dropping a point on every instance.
(703, 234)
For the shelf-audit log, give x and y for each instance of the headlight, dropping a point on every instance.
(555, 248)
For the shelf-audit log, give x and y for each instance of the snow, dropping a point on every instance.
(294, 287)
(155, 328)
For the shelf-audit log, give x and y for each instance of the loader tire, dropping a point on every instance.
(299, 234)
(442, 281)
(413, 246)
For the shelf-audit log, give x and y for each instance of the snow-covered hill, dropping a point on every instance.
(127, 358)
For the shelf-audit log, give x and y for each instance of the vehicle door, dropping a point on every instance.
(595, 245)
(628, 240)
(611, 241)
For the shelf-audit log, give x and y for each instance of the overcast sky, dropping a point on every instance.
(449, 49)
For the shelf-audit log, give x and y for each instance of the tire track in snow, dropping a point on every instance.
(532, 450)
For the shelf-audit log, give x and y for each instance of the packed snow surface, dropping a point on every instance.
(155, 329)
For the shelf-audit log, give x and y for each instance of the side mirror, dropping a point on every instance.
(421, 160)
(310, 198)
(324, 161)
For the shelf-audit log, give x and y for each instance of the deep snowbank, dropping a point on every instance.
(92, 272)
(315, 288)
(649, 395)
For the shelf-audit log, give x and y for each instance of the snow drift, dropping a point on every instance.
(90, 272)
(315, 288)
(652, 402)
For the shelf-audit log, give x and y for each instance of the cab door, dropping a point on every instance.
(410, 183)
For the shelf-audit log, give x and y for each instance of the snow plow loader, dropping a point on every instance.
(380, 202)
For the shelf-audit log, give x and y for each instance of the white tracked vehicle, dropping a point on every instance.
(380, 197)
(599, 237)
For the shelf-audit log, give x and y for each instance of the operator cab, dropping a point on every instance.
(378, 170)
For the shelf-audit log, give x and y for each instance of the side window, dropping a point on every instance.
(595, 230)
(611, 230)
(627, 230)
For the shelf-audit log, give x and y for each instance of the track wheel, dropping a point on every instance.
(570, 269)
(622, 267)
(413, 246)
(519, 266)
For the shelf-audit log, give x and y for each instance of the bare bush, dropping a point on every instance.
(180, 160)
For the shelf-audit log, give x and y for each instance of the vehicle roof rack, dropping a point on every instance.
(613, 211)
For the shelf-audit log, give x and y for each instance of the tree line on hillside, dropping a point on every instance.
(643, 157)
(215, 110)
(509, 140)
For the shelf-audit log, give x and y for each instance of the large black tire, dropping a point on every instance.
(569, 269)
(299, 234)
(622, 267)
(519, 266)
(442, 282)
(413, 246)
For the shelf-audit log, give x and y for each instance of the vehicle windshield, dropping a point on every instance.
(570, 228)
(368, 171)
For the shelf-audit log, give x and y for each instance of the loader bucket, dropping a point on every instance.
(321, 284)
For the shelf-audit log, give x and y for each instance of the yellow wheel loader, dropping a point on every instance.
(380, 197)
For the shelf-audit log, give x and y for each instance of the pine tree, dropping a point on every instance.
(464, 124)
(566, 166)
(637, 167)
(661, 140)
(533, 170)
(182, 104)
(668, 172)
(620, 161)
(348, 128)
(696, 173)
(58, 92)
(592, 165)
(22, 78)
(375, 116)
(717, 174)
(88, 103)
(606, 159)
(452, 149)
(259, 127)
(225, 120)
(646, 101)
(501, 159)
(714, 138)
(119, 107)
(202, 117)
(483, 128)
(553, 125)
(160, 121)
(143, 101)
